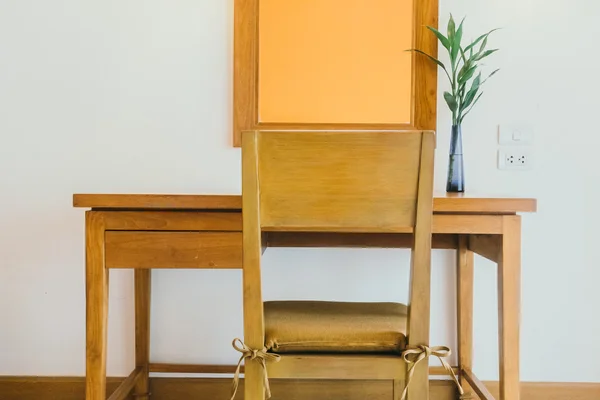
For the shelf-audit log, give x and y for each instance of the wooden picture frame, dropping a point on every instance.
(423, 113)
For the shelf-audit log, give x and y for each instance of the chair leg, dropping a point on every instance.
(142, 279)
(253, 381)
(398, 388)
(419, 384)
(96, 308)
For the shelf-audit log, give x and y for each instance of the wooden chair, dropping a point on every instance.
(337, 182)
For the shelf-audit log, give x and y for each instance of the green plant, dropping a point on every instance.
(464, 65)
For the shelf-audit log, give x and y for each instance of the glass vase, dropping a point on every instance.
(456, 176)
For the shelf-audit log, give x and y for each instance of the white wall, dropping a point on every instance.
(135, 96)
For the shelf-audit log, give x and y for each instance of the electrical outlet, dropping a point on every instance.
(515, 159)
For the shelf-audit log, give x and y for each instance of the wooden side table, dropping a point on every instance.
(141, 233)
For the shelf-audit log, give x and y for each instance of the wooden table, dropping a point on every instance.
(205, 231)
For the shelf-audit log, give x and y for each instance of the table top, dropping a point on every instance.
(442, 203)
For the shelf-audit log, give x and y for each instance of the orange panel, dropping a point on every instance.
(335, 61)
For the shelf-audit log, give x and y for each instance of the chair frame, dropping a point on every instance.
(337, 366)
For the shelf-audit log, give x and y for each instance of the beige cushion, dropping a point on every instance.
(334, 327)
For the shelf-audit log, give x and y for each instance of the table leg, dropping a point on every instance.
(96, 307)
(143, 281)
(509, 294)
(464, 306)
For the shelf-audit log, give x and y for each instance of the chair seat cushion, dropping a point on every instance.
(334, 327)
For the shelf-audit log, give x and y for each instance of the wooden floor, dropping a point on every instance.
(63, 388)
(213, 389)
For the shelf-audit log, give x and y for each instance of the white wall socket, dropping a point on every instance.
(515, 159)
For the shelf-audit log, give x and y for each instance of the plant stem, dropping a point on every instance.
(455, 94)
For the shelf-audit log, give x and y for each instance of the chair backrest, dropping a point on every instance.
(380, 181)
(351, 181)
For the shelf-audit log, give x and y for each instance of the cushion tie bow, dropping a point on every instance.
(414, 356)
(262, 356)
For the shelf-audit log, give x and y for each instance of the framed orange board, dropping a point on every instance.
(333, 64)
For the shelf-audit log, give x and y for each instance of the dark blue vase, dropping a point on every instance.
(456, 176)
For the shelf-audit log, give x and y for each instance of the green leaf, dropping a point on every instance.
(479, 57)
(476, 82)
(483, 44)
(464, 76)
(451, 101)
(471, 93)
(466, 66)
(451, 29)
(456, 42)
(468, 100)
(443, 39)
(476, 100)
(490, 75)
(438, 62)
(462, 117)
(462, 54)
(479, 39)
(435, 60)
